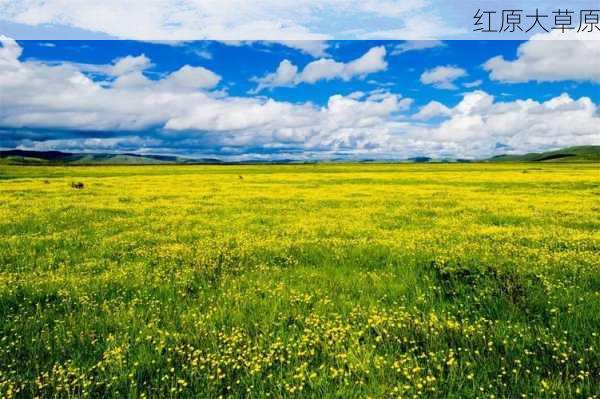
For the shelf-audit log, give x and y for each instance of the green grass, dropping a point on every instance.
(440, 280)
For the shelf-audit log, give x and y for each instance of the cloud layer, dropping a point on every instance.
(60, 106)
(179, 108)
(478, 124)
(279, 20)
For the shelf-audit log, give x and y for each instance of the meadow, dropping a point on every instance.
(257, 281)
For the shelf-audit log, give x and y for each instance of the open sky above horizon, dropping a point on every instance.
(302, 99)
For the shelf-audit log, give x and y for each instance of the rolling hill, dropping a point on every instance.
(24, 157)
(588, 153)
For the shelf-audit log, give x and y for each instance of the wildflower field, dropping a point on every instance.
(439, 280)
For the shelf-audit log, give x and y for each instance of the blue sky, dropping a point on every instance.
(237, 65)
(354, 99)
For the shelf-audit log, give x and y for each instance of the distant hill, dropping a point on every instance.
(24, 157)
(588, 153)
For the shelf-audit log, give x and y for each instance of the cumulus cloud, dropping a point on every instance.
(431, 110)
(130, 64)
(443, 77)
(180, 107)
(549, 58)
(119, 67)
(287, 74)
(61, 96)
(10, 51)
(415, 45)
(189, 77)
(478, 124)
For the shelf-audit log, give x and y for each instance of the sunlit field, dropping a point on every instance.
(443, 280)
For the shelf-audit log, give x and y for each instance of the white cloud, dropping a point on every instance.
(316, 48)
(424, 26)
(10, 51)
(119, 67)
(478, 124)
(91, 144)
(356, 95)
(324, 69)
(313, 47)
(189, 77)
(130, 64)
(285, 75)
(547, 58)
(443, 77)
(61, 97)
(392, 7)
(431, 110)
(128, 72)
(207, 55)
(279, 20)
(415, 45)
(475, 83)
(167, 19)
(372, 61)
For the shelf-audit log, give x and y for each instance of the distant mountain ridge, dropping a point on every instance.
(26, 157)
(590, 153)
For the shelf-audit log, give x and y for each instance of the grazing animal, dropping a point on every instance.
(77, 185)
(241, 177)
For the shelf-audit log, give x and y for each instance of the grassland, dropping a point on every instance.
(463, 281)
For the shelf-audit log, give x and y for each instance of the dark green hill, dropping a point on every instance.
(587, 153)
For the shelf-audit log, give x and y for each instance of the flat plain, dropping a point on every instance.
(365, 280)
